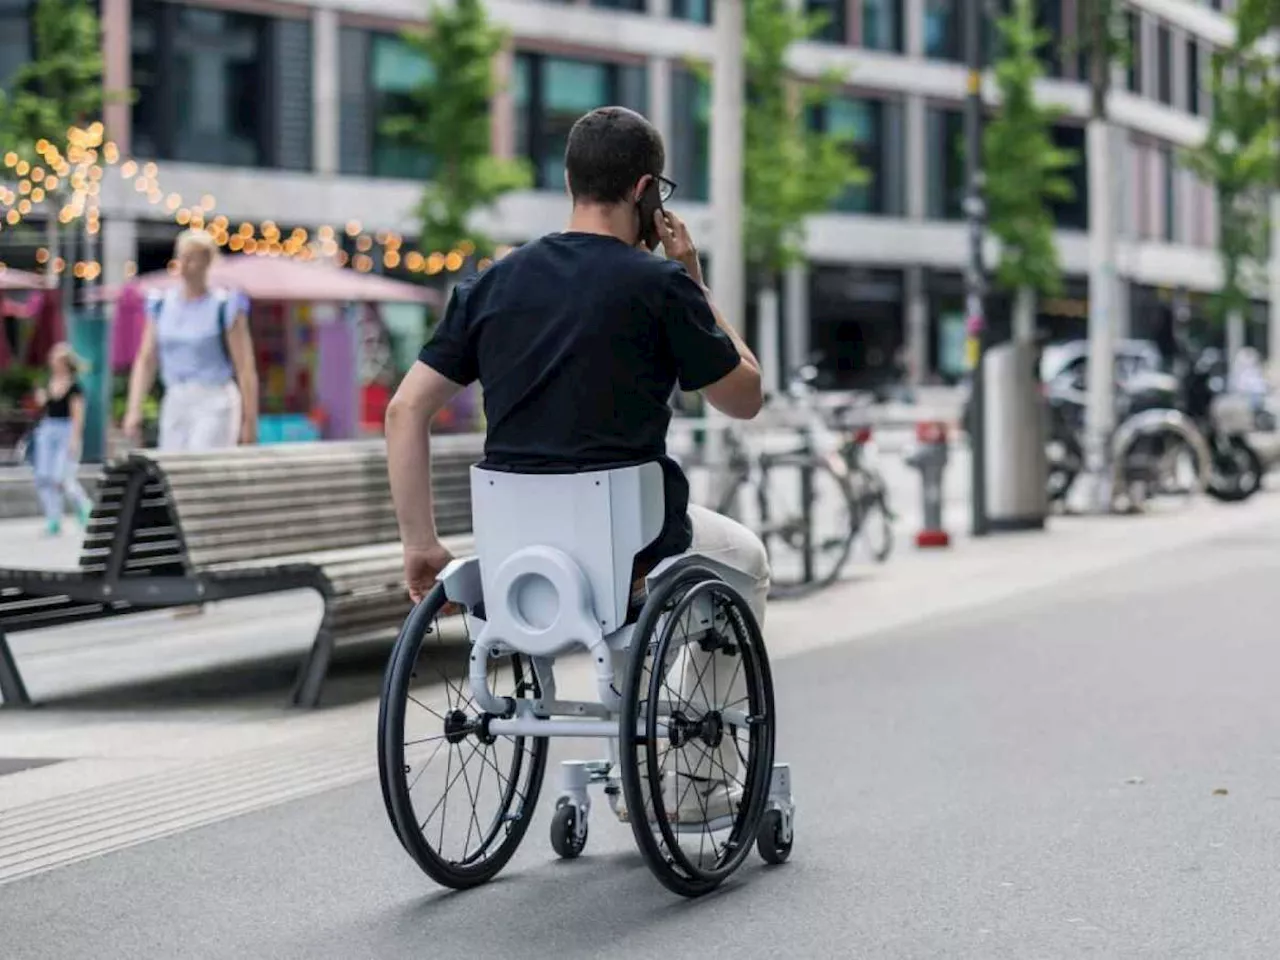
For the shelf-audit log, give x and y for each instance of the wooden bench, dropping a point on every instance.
(176, 530)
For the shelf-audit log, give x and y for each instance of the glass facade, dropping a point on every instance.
(942, 30)
(944, 145)
(699, 11)
(689, 151)
(873, 129)
(882, 25)
(1164, 65)
(551, 93)
(835, 28)
(15, 37)
(1193, 78)
(395, 70)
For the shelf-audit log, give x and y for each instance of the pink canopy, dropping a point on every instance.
(285, 279)
(11, 279)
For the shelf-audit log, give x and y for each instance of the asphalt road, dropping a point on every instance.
(1092, 771)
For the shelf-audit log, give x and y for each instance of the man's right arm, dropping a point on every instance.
(740, 392)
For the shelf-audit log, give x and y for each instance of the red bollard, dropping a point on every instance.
(930, 458)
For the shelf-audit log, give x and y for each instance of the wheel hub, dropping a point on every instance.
(456, 726)
(709, 728)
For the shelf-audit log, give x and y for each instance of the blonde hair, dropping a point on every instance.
(63, 351)
(197, 238)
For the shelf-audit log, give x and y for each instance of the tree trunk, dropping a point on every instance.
(767, 336)
(1235, 338)
(1024, 315)
(1100, 409)
(51, 242)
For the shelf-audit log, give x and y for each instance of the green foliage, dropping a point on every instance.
(61, 86)
(790, 171)
(1239, 157)
(1104, 38)
(449, 121)
(1024, 169)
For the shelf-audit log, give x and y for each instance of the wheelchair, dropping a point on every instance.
(675, 658)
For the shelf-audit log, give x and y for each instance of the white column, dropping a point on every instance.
(119, 247)
(659, 8)
(795, 291)
(324, 89)
(916, 146)
(913, 14)
(660, 100)
(917, 338)
(727, 270)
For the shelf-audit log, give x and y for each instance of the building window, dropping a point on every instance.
(1169, 171)
(219, 87)
(15, 37)
(637, 6)
(1193, 77)
(689, 154)
(873, 129)
(944, 137)
(395, 70)
(882, 25)
(835, 28)
(1072, 214)
(1164, 64)
(1048, 17)
(699, 11)
(941, 30)
(551, 93)
(1133, 77)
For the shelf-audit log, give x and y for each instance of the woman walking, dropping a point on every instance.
(57, 440)
(198, 340)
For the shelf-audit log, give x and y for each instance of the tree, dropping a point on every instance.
(1239, 157)
(790, 171)
(448, 120)
(1024, 171)
(58, 90)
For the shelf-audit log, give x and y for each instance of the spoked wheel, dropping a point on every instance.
(875, 519)
(805, 523)
(459, 797)
(696, 764)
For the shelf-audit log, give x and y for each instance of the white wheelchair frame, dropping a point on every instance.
(551, 574)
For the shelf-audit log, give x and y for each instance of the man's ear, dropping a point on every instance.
(567, 188)
(641, 185)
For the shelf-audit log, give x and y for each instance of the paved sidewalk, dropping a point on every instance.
(133, 768)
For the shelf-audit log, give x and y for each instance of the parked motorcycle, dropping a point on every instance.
(1175, 435)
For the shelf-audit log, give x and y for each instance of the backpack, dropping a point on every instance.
(156, 302)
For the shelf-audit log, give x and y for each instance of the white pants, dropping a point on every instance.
(721, 685)
(198, 416)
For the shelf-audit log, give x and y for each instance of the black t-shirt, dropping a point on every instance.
(59, 408)
(578, 341)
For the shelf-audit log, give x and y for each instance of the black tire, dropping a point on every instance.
(783, 537)
(1236, 474)
(564, 833)
(875, 525)
(641, 741)
(462, 730)
(769, 843)
(1064, 469)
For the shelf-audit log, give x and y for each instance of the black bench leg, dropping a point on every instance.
(12, 688)
(306, 692)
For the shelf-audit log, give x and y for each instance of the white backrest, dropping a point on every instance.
(601, 519)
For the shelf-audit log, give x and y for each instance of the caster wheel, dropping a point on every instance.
(769, 843)
(564, 833)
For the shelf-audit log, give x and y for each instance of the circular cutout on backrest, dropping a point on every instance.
(534, 601)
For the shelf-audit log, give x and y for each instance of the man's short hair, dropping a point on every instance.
(609, 149)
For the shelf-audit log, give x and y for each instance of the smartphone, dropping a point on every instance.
(650, 203)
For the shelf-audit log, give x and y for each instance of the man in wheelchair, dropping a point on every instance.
(578, 340)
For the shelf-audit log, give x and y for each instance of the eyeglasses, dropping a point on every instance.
(665, 188)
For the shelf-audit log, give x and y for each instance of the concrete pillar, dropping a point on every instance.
(916, 145)
(117, 70)
(119, 247)
(917, 332)
(502, 116)
(913, 24)
(659, 8)
(660, 100)
(325, 104)
(795, 292)
(1122, 302)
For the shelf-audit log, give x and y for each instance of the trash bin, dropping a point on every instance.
(1014, 435)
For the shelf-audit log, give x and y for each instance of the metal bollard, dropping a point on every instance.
(930, 458)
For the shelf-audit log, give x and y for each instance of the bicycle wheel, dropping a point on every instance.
(806, 522)
(436, 756)
(875, 519)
